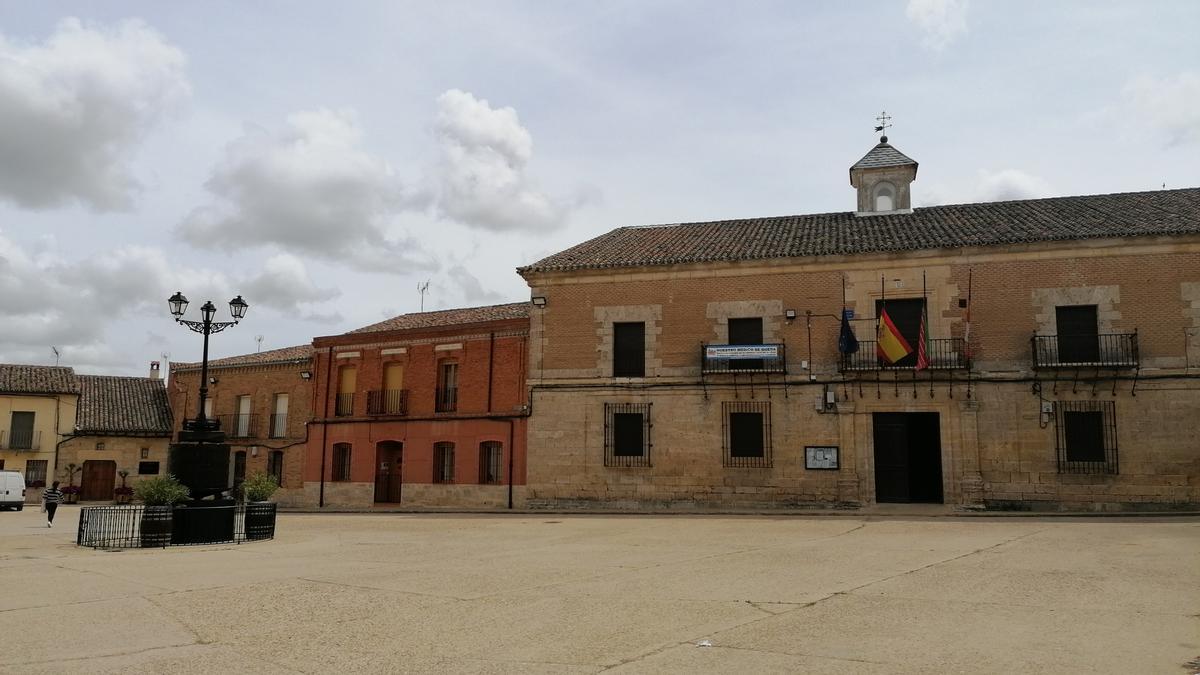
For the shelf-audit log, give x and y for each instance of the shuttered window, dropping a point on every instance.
(629, 349)
(491, 455)
(443, 462)
(341, 461)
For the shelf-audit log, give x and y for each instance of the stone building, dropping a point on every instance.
(37, 411)
(424, 409)
(699, 365)
(264, 404)
(123, 424)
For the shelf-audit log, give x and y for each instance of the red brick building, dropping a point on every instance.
(422, 409)
(264, 404)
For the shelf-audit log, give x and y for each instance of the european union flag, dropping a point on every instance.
(847, 343)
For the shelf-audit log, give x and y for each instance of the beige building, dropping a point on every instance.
(123, 426)
(37, 411)
(1051, 356)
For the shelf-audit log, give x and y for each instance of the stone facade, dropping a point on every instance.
(998, 421)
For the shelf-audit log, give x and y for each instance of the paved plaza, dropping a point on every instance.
(582, 594)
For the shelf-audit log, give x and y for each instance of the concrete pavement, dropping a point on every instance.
(627, 594)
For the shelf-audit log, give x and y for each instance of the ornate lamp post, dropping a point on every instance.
(206, 326)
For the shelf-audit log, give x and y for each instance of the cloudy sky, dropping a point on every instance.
(323, 159)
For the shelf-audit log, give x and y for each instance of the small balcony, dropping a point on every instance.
(764, 358)
(241, 425)
(1111, 350)
(21, 440)
(344, 405)
(279, 425)
(387, 402)
(447, 400)
(942, 353)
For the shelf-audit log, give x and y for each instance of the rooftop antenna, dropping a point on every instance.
(422, 288)
(259, 339)
(56, 354)
(883, 126)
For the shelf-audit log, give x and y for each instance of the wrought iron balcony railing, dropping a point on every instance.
(241, 425)
(943, 354)
(1112, 350)
(764, 358)
(387, 402)
(21, 440)
(344, 405)
(447, 400)
(279, 425)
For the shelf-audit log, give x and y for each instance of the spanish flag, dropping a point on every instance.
(891, 346)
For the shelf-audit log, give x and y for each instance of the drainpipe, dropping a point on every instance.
(512, 451)
(325, 423)
(491, 361)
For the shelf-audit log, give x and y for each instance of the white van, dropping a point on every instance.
(12, 490)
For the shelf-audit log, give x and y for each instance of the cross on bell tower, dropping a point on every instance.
(884, 120)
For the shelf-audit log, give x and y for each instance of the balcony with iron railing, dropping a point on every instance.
(942, 354)
(764, 358)
(278, 425)
(21, 440)
(344, 405)
(240, 425)
(387, 402)
(1111, 350)
(446, 400)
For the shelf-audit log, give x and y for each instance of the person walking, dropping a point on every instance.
(51, 498)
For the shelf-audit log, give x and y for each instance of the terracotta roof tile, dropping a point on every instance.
(449, 317)
(1133, 214)
(282, 355)
(21, 379)
(127, 406)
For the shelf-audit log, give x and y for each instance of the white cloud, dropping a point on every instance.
(72, 110)
(284, 284)
(311, 189)
(1170, 106)
(471, 288)
(988, 186)
(940, 21)
(483, 180)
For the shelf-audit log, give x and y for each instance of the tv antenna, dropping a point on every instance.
(422, 288)
(56, 354)
(259, 339)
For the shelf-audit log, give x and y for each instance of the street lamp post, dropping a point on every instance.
(206, 326)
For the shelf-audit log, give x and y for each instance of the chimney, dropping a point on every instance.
(154, 373)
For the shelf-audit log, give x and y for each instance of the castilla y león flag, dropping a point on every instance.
(891, 346)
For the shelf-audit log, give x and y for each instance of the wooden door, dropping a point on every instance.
(98, 481)
(389, 469)
(891, 458)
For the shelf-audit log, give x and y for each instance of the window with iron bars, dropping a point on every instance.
(627, 434)
(341, 461)
(746, 434)
(1086, 436)
(491, 456)
(443, 462)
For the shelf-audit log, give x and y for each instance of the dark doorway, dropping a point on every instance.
(748, 331)
(906, 314)
(389, 471)
(908, 458)
(1078, 340)
(98, 480)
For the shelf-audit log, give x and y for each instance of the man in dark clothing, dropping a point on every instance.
(51, 498)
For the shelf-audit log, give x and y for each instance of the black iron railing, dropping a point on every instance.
(279, 425)
(242, 425)
(21, 440)
(447, 400)
(344, 405)
(1111, 350)
(943, 354)
(764, 358)
(139, 526)
(387, 402)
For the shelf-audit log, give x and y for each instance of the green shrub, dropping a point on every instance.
(161, 491)
(259, 487)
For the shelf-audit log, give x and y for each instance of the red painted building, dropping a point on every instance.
(425, 409)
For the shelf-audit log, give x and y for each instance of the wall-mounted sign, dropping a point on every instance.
(847, 314)
(820, 457)
(741, 351)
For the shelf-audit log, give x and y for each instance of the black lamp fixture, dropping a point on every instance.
(206, 326)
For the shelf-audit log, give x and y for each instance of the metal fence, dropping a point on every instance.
(764, 358)
(1111, 350)
(943, 354)
(387, 402)
(140, 526)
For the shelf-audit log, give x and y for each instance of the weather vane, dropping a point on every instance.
(883, 120)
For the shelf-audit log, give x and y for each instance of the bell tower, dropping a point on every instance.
(883, 177)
